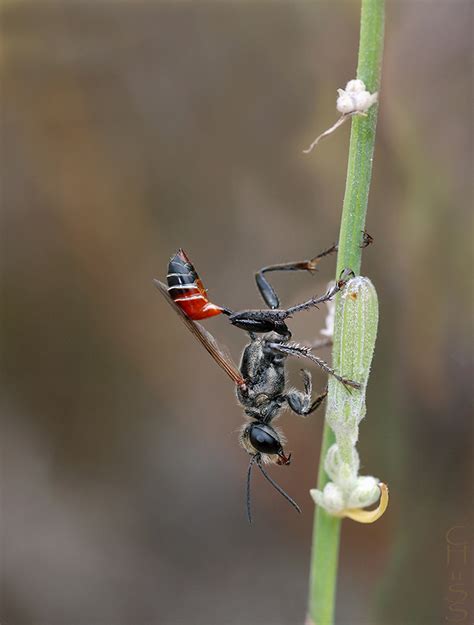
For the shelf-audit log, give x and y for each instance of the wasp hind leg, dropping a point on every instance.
(303, 351)
(268, 293)
(302, 402)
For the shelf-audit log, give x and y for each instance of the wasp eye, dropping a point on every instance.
(264, 439)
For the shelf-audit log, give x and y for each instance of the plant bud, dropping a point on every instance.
(355, 333)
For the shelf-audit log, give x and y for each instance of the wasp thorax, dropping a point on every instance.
(261, 399)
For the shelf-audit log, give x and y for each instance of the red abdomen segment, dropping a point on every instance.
(186, 289)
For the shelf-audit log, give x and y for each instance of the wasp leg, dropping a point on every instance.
(274, 320)
(345, 276)
(366, 239)
(301, 402)
(303, 351)
(268, 292)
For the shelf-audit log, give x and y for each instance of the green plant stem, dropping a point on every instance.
(326, 531)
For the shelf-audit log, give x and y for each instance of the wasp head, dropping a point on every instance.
(260, 438)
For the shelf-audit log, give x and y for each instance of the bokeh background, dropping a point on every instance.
(130, 129)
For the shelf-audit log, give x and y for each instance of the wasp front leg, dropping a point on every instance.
(302, 402)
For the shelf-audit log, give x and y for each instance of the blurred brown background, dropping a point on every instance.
(132, 128)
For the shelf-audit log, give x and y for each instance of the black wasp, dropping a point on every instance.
(261, 380)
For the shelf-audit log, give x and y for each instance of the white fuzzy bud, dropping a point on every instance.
(355, 98)
(344, 102)
(331, 499)
(332, 462)
(365, 493)
(355, 85)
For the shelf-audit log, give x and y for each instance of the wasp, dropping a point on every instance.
(261, 380)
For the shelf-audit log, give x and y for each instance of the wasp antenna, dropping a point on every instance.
(249, 475)
(291, 501)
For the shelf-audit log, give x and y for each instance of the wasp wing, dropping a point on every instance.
(205, 338)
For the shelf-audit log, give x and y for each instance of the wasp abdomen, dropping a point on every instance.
(187, 290)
